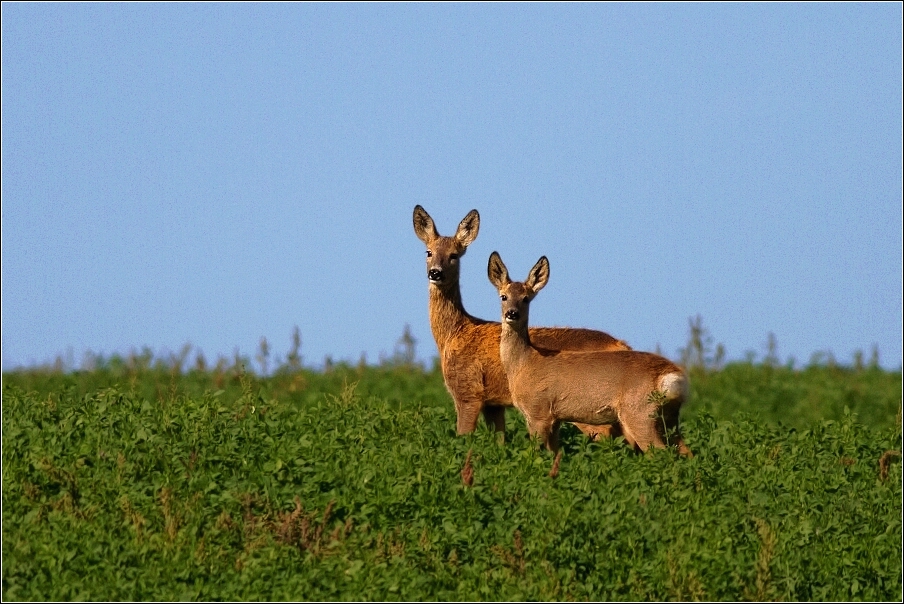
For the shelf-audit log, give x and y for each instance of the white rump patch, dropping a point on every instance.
(674, 385)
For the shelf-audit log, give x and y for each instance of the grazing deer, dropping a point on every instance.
(469, 347)
(641, 391)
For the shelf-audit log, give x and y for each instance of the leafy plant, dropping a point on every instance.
(137, 481)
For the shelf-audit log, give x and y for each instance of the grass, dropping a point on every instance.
(142, 481)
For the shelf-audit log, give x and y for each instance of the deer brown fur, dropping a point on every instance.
(469, 347)
(641, 391)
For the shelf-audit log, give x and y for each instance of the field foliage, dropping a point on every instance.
(148, 482)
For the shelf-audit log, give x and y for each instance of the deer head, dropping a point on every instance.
(516, 296)
(443, 253)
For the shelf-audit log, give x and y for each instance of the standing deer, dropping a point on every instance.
(469, 347)
(641, 391)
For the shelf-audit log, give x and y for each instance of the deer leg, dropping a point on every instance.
(467, 411)
(552, 438)
(646, 428)
(628, 433)
(536, 428)
(546, 430)
(683, 449)
(495, 417)
(611, 430)
(669, 423)
(595, 432)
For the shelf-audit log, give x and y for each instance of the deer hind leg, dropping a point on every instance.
(671, 431)
(596, 432)
(551, 438)
(676, 387)
(494, 415)
(657, 427)
(628, 433)
(640, 429)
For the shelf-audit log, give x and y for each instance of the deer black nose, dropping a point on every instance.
(434, 274)
(512, 315)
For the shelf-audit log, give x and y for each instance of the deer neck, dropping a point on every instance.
(447, 314)
(515, 348)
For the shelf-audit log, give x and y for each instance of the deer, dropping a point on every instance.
(640, 391)
(469, 347)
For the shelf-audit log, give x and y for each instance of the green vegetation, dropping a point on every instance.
(143, 481)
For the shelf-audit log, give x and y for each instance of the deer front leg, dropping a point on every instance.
(467, 411)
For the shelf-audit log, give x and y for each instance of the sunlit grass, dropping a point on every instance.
(143, 479)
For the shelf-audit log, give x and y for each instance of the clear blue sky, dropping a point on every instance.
(208, 174)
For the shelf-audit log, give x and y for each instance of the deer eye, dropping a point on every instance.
(453, 256)
(429, 254)
(503, 297)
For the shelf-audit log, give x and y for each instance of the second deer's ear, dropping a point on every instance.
(539, 275)
(467, 229)
(423, 225)
(497, 272)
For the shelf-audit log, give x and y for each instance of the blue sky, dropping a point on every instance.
(209, 174)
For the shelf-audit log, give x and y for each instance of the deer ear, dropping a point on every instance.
(497, 272)
(423, 225)
(467, 229)
(539, 275)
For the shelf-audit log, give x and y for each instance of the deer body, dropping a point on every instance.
(641, 391)
(469, 347)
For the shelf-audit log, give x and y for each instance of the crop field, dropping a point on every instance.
(146, 481)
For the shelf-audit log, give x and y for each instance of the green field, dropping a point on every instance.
(140, 481)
